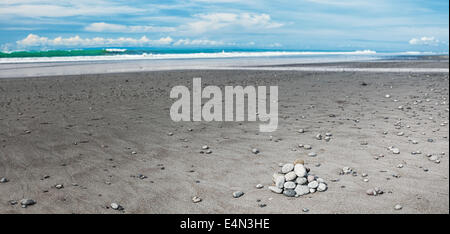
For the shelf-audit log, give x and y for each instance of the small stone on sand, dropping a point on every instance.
(238, 194)
(27, 202)
(196, 199)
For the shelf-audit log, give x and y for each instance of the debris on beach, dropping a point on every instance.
(294, 180)
(307, 147)
(196, 199)
(319, 136)
(374, 191)
(205, 150)
(27, 202)
(238, 194)
(347, 170)
(394, 150)
(116, 206)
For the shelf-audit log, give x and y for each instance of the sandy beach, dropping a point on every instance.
(108, 138)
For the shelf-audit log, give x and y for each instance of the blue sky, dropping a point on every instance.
(384, 25)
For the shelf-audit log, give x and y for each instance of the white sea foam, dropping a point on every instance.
(116, 50)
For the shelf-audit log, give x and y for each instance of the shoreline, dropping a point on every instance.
(438, 64)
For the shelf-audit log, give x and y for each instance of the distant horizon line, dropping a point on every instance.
(122, 49)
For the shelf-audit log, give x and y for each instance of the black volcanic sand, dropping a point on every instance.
(82, 130)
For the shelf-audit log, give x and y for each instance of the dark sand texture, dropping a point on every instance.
(83, 129)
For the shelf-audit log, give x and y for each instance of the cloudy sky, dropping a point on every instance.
(381, 25)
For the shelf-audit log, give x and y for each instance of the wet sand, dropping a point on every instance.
(96, 134)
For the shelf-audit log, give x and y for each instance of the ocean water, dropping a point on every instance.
(111, 54)
(118, 60)
(120, 54)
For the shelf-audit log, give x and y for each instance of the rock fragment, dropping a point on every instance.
(196, 199)
(27, 202)
(238, 194)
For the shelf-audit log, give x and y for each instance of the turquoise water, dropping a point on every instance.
(110, 54)
(115, 51)
(139, 51)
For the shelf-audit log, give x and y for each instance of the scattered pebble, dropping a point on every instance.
(346, 171)
(238, 194)
(395, 151)
(374, 191)
(27, 202)
(116, 206)
(13, 202)
(196, 199)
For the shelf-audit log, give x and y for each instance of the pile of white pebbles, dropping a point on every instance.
(295, 180)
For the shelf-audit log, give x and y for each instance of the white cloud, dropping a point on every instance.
(424, 41)
(199, 24)
(34, 40)
(64, 8)
(197, 42)
(216, 21)
(105, 27)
